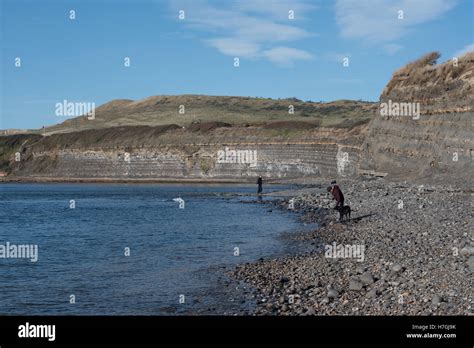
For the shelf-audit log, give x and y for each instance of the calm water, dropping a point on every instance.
(81, 250)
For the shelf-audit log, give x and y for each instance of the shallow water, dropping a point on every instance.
(81, 251)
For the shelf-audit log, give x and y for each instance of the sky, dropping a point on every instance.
(285, 48)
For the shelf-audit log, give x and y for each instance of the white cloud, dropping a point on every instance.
(250, 29)
(378, 22)
(236, 47)
(463, 51)
(286, 55)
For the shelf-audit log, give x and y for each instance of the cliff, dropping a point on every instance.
(172, 152)
(437, 141)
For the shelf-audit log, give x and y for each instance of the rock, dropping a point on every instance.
(436, 299)
(367, 278)
(310, 311)
(332, 293)
(372, 293)
(355, 285)
(467, 250)
(284, 280)
(470, 263)
(396, 267)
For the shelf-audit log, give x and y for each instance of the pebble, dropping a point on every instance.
(332, 293)
(396, 267)
(367, 278)
(470, 263)
(355, 285)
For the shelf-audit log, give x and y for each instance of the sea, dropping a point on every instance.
(131, 249)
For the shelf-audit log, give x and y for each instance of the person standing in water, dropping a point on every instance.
(260, 183)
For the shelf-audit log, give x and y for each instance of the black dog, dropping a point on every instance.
(344, 211)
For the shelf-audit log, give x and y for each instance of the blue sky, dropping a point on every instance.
(82, 60)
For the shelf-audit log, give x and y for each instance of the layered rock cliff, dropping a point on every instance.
(171, 152)
(435, 139)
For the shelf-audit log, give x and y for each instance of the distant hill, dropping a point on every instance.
(164, 110)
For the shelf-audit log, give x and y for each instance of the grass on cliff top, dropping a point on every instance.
(165, 110)
(437, 80)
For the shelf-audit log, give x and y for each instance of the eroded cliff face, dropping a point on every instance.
(436, 139)
(174, 153)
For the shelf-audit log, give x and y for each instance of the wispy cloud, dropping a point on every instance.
(463, 51)
(378, 22)
(236, 47)
(285, 56)
(250, 29)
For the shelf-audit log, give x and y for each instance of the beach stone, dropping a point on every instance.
(332, 293)
(355, 285)
(396, 267)
(436, 299)
(367, 278)
(470, 263)
(372, 293)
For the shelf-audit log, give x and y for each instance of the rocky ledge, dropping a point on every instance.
(417, 255)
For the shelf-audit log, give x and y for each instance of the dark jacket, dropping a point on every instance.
(337, 193)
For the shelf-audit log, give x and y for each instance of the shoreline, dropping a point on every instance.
(34, 180)
(236, 298)
(409, 249)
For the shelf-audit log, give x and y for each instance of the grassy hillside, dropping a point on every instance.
(163, 110)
